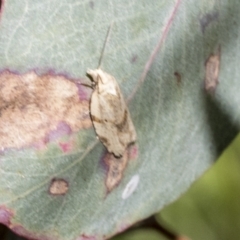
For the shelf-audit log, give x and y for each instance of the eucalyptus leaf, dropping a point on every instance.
(157, 52)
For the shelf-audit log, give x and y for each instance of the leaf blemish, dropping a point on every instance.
(134, 58)
(20, 230)
(91, 3)
(85, 237)
(115, 169)
(35, 106)
(130, 187)
(62, 129)
(1, 4)
(212, 66)
(58, 186)
(5, 215)
(178, 77)
(207, 19)
(133, 152)
(66, 147)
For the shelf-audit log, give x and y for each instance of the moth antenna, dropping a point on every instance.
(105, 43)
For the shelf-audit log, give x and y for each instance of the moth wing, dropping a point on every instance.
(122, 119)
(104, 123)
(127, 133)
(110, 115)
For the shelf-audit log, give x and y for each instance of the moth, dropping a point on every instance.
(109, 113)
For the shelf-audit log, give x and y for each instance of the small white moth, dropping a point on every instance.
(109, 113)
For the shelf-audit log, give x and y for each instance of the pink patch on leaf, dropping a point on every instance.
(61, 130)
(123, 227)
(66, 147)
(84, 237)
(84, 92)
(133, 152)
(30, 235)
(1, 6)
(5, 215)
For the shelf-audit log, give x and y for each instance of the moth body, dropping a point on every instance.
(109, 113)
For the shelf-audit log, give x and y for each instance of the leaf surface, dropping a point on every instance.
(157, 51)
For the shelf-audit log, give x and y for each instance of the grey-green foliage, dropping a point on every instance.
(181, 128)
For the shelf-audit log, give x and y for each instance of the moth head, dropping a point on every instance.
(97, 75)
(93, 75)
(103, 81)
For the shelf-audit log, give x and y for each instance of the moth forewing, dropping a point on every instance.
(110, 116)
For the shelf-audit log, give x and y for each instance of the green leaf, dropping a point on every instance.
(157, 52)
(210, 209)
(141, 234)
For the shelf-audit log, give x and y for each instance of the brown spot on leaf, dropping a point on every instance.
(32, 106)
(58, 186)
(178, 77)
(212, 72)
(116, 167)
